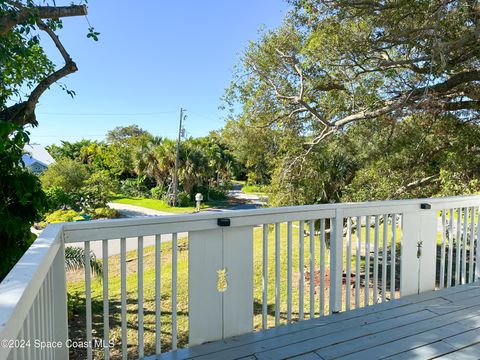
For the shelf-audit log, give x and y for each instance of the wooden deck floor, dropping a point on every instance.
(441, 325)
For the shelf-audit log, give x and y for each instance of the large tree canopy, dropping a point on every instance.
(334, 62)
(356, 100)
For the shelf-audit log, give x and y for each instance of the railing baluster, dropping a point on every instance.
(464, 245)
(441, 280)
(301, 257)
(477, 256)
(358, 249)
(158, 293)
(277, 274)
(174, 289)
(367, 261)
(322, 268)
(51, 311)
(450, 249)
(88, 299)
(123, 291)
(265, 277)
(289, 272)
(392, 256)
(375, 259)
(348, 264)
(140, 295)
(106, 325)
(459, 253)
(472, 244)
(32, 351)
(384, 258)
(312, 269)
(38, 321)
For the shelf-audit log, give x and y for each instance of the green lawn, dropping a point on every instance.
(159, 205)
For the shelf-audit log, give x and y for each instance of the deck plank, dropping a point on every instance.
(456, 310)
(468, 353)
(420, 340)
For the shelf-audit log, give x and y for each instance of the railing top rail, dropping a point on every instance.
(21, 285)
(113, 229)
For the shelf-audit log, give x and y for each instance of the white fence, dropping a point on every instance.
(245, 270)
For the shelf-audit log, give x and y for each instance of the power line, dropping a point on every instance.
(107, 114)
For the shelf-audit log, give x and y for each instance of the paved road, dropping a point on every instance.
(129, 211)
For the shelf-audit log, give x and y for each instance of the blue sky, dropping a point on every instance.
(151, 60)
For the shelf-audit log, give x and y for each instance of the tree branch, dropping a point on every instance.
(7, 22)
(24, 113)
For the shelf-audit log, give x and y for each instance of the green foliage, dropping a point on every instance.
(59, 198)
(252, 189)
(134, 187)
(67, 174)
(99, 189)
(104, 213)
(157, 193)
(75, 260)
(122, 134)
(183, 199)
(22, 200)
(59, 216)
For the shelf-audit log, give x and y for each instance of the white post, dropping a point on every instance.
(204, 301)
(222, 256)
(336, 262)
(408, 258)
(418, 257)
(59, 299)
(428, 260)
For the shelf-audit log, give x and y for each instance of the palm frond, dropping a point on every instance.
(74, 260)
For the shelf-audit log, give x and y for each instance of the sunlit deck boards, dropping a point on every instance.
(443, 324)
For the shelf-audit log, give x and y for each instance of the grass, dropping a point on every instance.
(76, 286)
(154, 204)
(161, 205)
(255, 189)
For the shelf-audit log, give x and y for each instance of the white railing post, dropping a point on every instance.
(336, 262)
(428, 259)
(418, 255)
(59, 298)
(220, 283)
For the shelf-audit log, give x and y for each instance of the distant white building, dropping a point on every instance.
(37, 158)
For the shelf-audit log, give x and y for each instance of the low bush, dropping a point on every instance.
(60, 199)
(157, 193)
(104, 213)
(134, 187)
(183, 199)
(62, 216)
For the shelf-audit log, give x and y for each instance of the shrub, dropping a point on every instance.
(67, 174)
(157, 193)
(59, 199)
(183, 199)
(104, 213)
(62, 216)
(134, 187)
(98, 189)
(211, 193)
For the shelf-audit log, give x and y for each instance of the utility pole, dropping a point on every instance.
(177, 158)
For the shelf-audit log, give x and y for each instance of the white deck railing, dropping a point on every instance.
(438, 248)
